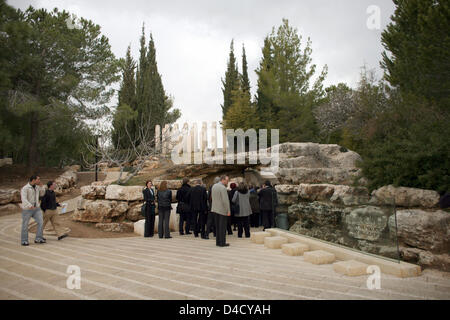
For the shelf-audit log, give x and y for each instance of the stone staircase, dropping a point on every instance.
(347, 267)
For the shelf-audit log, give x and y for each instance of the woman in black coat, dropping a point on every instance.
(164, 196)
(149, 198)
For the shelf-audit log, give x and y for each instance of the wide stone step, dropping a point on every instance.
(274, 242)
(350, 268)
(319, 257)
(294, 249)
(258, 237)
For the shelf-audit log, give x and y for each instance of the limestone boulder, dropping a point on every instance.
(405, 197)
(427, 230)
(316, 214)
(124, 193)
(9, 208)
(9, 196)
(134, 212)
(367, 223)
(287, 194)
(318, 175)
(95, 190)
(100, 211)
(340, 194)
(425, 258)
(171, 184)
(6, 162)
(116, 227)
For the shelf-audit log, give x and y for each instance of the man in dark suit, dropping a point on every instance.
(268, 201)
(183, 195)
(198, 200)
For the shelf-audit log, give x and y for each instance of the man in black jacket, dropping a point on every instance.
(184, 207)
(48, 206)
(199, 208)
(268, 201)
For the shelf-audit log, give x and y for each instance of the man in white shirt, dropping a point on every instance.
(30, 194)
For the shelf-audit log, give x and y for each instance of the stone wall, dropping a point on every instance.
(351, 216)
(114, 207)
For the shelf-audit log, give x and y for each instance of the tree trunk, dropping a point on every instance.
(32, 147)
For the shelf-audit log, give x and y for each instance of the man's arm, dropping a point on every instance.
(226, 200)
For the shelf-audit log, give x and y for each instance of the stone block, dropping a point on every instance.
(258, 237)
(350, 268)
(274, 242)
(319, 257)
(139, 227)
(294, 249)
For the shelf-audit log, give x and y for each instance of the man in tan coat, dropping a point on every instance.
(221, 207)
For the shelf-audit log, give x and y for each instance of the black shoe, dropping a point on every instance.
(44, 239)
(188, 232)
(206, 237)
(196, 235)
(181, 234)
(63, 236)
(239, 236)
(230, 233)
(161, 237)
(39, 241)
(169, 237)
(25, 243)
(225, 245)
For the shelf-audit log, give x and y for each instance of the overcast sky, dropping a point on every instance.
(193, 37)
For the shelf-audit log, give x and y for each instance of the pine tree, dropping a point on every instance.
(231, 81)
(285, 93)
(418, 41)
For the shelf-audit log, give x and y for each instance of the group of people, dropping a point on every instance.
(41, 205)
(216, 210)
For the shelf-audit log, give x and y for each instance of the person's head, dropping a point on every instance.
(185, 180)
(267, 183)
(233, 186)
(216, 180)
(242, 188)
(51, 185)
(149, 184)
(34, 180)
(163, 186)
(224, 180)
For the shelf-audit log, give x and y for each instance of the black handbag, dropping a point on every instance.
(144, 206)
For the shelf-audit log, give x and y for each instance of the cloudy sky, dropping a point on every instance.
(193, 38)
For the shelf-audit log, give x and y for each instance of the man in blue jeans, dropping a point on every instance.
(30, 194)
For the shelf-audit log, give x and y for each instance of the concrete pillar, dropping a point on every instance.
(158, 138)
(204, 136)
(195, 137)
(214, 137)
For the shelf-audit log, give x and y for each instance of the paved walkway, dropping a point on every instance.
(183, 267)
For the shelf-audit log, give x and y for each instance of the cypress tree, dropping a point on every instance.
(231, 81)
(245, 79)
(126, 110)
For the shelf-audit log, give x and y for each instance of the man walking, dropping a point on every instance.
(221, 208)
(30, 209)
(268, 200)
(48, 206)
